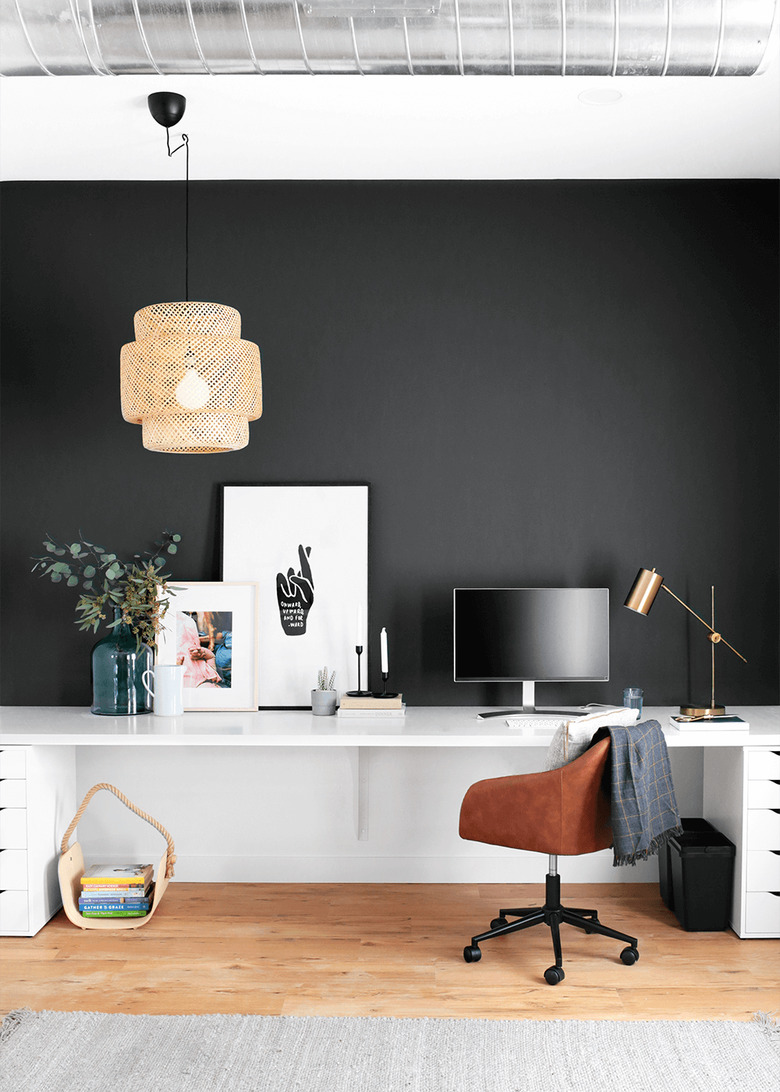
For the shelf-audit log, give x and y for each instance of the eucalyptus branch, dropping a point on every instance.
(138, 589)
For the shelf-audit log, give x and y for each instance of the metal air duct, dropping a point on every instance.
(367, 37)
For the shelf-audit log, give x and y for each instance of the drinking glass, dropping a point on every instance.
(632, 698)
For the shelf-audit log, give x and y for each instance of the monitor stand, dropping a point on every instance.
(529, 707)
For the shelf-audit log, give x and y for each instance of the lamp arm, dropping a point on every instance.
(708, 626)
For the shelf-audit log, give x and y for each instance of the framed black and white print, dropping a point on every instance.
(306, 547)
(211, 629)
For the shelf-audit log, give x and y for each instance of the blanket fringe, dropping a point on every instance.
(769, 1023)
(12, 1023)
(648, 851)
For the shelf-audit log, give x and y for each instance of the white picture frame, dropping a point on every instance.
(200, 612)
(301, 542)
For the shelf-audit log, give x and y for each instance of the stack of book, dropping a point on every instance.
(116, 891)
(371, 706)
(726, 723)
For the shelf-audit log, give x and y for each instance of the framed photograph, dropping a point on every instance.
(306, 547)
(212, 629)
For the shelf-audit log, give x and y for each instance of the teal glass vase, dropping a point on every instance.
(117, 669)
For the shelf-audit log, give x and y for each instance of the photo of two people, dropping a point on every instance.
(204, 645)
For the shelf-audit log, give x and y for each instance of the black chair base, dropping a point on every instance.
(553, 914)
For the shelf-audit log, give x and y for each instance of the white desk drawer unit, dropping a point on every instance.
(13, 870)
(762, 913)
(13, 762)
(763, 829)
(13, 793)
(745, 805)
(763, 765)
(763, 870)
(764, 794)
(14, 913)
(13, 828)
(37, 800)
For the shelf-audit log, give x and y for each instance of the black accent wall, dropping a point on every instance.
(545, 383)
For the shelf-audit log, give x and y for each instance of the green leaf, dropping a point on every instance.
(158, 562)
(72, 581)
(172, 549)
(50, 547)
(87, 585)
(75, 548)
(177, 538)
(59, 551)
(89, 571)
(56, 577)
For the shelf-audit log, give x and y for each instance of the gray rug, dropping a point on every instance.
(86, 1051)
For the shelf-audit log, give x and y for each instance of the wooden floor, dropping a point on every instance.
(388, 949)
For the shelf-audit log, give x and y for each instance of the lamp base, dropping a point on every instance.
(702, 710)
(359, 694)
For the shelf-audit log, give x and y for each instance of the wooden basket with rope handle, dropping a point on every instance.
(71, 869)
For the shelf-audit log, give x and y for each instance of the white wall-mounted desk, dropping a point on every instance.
(423, 726)
(293, 801)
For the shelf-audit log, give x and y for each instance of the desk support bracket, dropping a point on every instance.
(360, 759)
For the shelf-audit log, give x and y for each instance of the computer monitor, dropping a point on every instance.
(531, 635)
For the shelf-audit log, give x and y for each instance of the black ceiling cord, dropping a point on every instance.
(167, 109)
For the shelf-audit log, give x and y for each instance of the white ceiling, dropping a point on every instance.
(343, 127)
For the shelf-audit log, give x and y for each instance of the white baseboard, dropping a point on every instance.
(517, 868)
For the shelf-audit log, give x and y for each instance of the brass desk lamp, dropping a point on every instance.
(641, 598)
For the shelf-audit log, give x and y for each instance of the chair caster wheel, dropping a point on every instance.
(629, 956)
(496, 923)
(554, 975)
(472, 954)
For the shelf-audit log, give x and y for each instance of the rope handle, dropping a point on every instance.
(65, 844)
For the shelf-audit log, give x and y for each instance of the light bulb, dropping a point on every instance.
(193, 391)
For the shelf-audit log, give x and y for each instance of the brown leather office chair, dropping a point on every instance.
(559, 812)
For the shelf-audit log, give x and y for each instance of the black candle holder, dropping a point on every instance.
(359, 693)
(385, 692)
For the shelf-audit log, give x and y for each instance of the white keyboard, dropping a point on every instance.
(533, 724)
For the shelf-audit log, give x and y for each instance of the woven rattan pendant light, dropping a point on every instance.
(189, 379)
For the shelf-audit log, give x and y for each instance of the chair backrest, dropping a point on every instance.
(585, 805)
(563, 811)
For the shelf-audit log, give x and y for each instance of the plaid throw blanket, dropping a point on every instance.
(644, 808)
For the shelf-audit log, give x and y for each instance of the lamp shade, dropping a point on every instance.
(643, 591)
(189, 379)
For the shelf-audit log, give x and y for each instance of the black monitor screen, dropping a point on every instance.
(541, 634)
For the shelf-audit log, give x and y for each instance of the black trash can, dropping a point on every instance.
(697, 826)
(702, 869)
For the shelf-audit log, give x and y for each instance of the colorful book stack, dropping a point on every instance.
(116, 891)
(371, 706)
